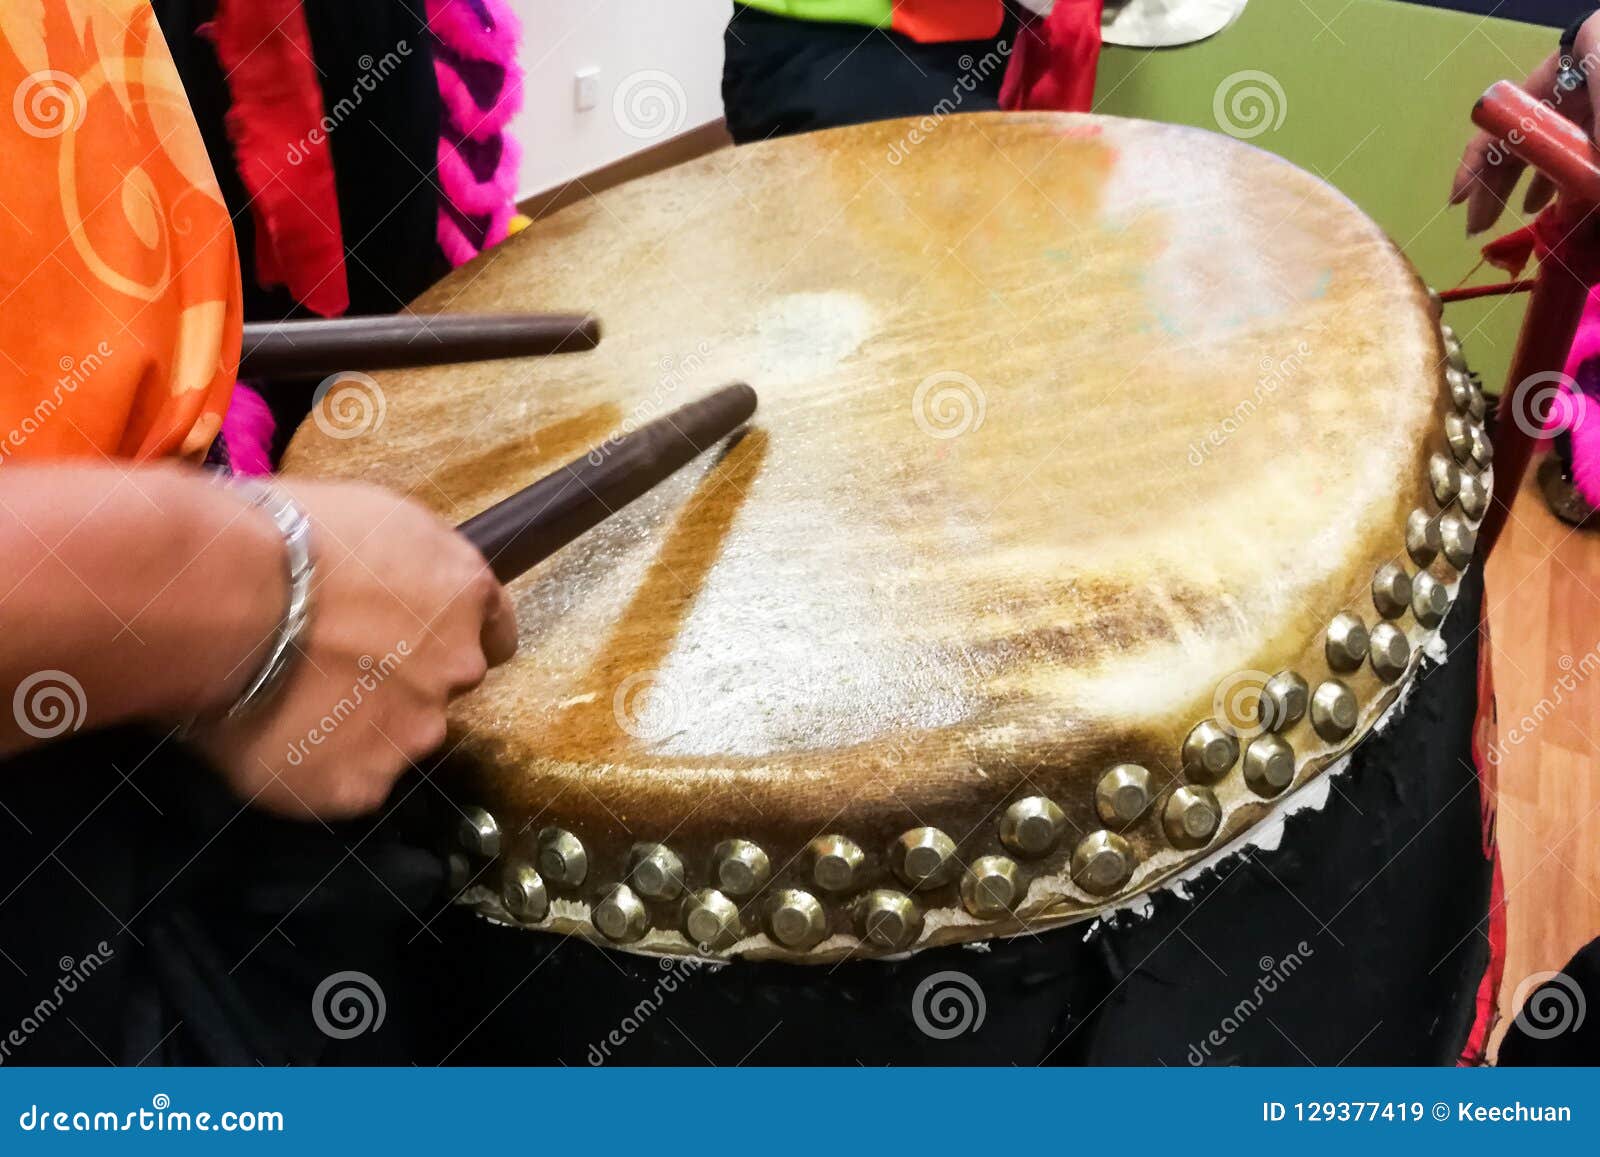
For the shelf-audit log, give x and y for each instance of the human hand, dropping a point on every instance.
(405, 616)
(1488, 172)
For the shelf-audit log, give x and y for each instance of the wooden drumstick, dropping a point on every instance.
(521, 531)
(319, 348)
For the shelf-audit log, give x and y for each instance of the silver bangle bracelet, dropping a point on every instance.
(295, 528)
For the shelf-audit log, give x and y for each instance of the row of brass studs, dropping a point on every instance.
(1210, 751)
(1031, 828)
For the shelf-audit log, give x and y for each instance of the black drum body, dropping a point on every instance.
(1360, 939)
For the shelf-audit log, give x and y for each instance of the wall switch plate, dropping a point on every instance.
(585, 89)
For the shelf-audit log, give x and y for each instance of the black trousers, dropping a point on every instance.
(783, 76)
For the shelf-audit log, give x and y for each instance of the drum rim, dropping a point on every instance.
(501, 851)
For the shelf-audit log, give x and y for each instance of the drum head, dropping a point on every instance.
(1109, 480)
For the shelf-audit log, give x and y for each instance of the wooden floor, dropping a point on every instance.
(1544, 610)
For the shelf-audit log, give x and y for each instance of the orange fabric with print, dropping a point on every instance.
(120, 303)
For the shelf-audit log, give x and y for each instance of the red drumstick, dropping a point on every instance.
(1536, 133)
(521, 531)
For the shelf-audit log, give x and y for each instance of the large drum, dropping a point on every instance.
(1112, 484)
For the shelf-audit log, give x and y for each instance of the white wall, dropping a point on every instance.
(660, 67)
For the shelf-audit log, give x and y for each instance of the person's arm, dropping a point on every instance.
(1488, 172)
(159, 593)
(150, 590)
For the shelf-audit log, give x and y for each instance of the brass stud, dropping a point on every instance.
(620, 915)
(1391, 590)
(1430, 599)
(1102, 863)
(1482, 448)
(924, 858)
(1474, 498)
(1283, 701)
(796, 919)
(1435, 301)
(1422, 537)
(991, 887)
(1477, 404)
(1346, 646)
(835, 861)
(1032, 826)
(710, 919)
(1122, 794)
(1445, 478)
(1191, 817)
(1465, 395)
(1390, 651)
(1268, 765)
(562, 859)
(1459, 541)
(1458, 433)
(478, 833)
(1333, 711)
(740, 867)
(889, 919)
(656, 872)
(523, 894)
(1209, 752)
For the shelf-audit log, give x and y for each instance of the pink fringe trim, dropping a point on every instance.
(462, 111)
(490, 202)
(247, 428)
(1574, 410)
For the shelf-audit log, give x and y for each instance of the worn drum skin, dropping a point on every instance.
(1110, 481)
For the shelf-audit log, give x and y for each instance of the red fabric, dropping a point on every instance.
(282, 150)
(939, 20)
(1561, 229)
(1485, 731)
(1054, 60)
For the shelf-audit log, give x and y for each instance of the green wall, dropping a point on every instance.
(1375, 97)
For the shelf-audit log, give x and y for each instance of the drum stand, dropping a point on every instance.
(1536, 134)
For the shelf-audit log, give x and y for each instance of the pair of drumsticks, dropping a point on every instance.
(521, 531)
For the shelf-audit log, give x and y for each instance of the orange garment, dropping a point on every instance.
(120, 302)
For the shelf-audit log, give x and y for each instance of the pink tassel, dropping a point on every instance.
(247, 428)
(491, 202)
